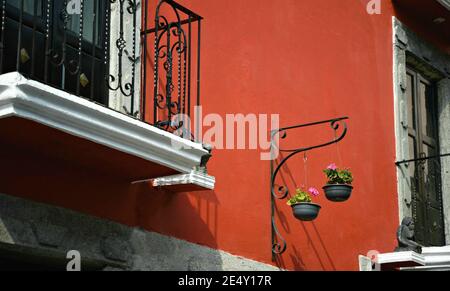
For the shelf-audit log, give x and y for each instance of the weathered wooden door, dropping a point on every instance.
(425, 174)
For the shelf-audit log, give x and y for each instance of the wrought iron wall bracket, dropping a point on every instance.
(281, 192)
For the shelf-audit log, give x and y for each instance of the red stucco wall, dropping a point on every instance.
(306, 60)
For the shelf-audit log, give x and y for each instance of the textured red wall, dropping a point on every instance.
(306, 60)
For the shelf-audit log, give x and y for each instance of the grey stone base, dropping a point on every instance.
(36, 234)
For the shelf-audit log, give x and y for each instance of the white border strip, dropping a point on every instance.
(430, 257)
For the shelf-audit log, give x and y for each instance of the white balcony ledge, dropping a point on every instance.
(445, 3)
(182, 182)
(431, 258)
(21, 98)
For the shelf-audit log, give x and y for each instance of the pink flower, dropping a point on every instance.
(313, 191)
(332, 167)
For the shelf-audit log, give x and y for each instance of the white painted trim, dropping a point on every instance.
(400, 257)
(445, 3)
(365, 263)
(444, 140)
(55, 108)
(194, 178)
(430, 258)
(399, 40)
(427, 268)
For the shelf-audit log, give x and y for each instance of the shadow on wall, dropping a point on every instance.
(54, 182)
(314, 242)
(190, 216)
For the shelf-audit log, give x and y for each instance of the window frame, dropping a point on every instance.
(410, 49)
(415, 131)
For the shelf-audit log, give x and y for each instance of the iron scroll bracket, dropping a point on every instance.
(281, 192)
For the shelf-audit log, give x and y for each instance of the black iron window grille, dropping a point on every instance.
(140, 57)
(176, 60)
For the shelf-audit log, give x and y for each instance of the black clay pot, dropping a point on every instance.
(338, 192)
(306, 211)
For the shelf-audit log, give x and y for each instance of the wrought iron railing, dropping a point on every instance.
(140, 57)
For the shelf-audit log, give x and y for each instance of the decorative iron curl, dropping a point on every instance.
(125, 89)
(132, 6)
(73, 67)
(179, 47)
(172, 125)
(175, 105)
(279, 244)
(281, 192)
(59, 59)
(174, 44)
(160, 101)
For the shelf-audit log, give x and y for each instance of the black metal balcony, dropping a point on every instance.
(146, 54)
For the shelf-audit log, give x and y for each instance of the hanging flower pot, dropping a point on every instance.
(338, 192)
(338, 187)
(302, 207)
(305, 211)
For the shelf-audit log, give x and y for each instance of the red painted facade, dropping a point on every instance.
(306, 60)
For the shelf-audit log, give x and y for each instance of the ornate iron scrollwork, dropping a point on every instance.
(109, 38)
(281, 191)
(170, 43)
(118, 82)
(58, 59)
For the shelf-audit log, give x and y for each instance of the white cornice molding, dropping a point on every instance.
(193, 178)
(55, 108)
(400, 257)
(431, 257)
(445, 3)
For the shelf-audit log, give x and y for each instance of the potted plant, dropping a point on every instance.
(302, 206)
(338, 187)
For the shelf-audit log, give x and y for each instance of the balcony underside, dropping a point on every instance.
(39, 121)
(430, 13)
(19, 135)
